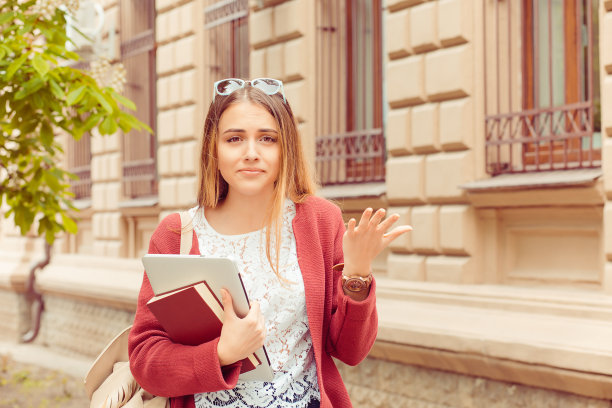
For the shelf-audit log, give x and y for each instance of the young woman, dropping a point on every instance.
(256, 204)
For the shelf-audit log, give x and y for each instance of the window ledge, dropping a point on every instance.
(362, 190)
(544, 179)
(145, 206)
(563, 187)
(544, 338)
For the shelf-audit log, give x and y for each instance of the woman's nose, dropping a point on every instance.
(251, 150)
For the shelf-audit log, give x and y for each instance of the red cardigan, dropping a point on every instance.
(339, 326)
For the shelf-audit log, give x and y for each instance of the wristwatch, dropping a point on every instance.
(356, 283)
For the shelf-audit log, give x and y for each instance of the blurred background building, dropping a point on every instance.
(484, 123)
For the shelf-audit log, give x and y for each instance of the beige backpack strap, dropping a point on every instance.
(186, 234)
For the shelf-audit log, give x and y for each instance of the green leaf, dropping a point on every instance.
(76, 95)
(124, 101)
(56, 89)
(102, 100)
(52, 181)
(108, 126)
(46, 133)
(15, 65)
(40, 65)
(30, 87)
(69, 224)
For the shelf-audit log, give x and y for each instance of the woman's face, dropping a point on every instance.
(248, 150)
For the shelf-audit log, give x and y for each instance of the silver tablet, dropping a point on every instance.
(170, 272)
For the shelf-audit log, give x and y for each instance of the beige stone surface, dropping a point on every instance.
(606, 52)
(606, 99)
(168, 193)
(257, 63)
(189, 87)
(291, 19)
(14, 315)
(165, 58)
(457, 124)
(406, 267)
(397, 132)
(397, 34)
(295, 62)
(394, 5)
(457, 229)
(275, 54)
(186, 122)
(426, 232)
(174, 89)
(449, 72)
(445, 173)
(185, 53)
(406, 180)
(424, 129)
(166, 126)
(379, 383)
(607, 227)
(261, 27)
(297, 94)
(424, 27)
(404, 242)
(455, 21)
(451, 269)
(406, 81)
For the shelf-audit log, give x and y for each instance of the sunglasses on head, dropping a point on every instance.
(269, 86)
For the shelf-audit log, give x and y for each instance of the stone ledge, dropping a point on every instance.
(105, 281)
(551, 339)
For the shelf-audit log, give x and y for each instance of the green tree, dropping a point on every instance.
(41, 96)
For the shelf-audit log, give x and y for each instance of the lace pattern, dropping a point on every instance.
(283, 305)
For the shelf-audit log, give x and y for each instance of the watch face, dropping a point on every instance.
(355, 285)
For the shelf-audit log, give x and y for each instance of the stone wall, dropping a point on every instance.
(430, 136)
(377, 383)
(80, 328)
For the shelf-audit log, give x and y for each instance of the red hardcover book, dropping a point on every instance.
(193, 315)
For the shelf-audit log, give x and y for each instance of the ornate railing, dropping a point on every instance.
(354, 157)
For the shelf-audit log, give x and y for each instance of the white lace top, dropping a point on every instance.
(288, 340)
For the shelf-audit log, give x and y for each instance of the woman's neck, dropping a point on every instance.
(236, 215)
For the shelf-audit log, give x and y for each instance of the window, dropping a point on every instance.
(226, 22)
(138, 57)
(79, 163)
(350, 144)
(556, 125)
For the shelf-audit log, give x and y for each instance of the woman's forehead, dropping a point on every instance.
(246, 114)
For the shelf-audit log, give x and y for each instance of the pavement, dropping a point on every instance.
(42, 356)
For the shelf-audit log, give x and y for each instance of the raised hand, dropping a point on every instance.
(362, 243)
(239, 336)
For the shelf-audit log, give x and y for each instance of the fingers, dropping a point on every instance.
(396, 232)
(351, 225)
(365, 217)
(228, 305)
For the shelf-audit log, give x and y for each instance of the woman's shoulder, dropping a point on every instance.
(319, 206)
(167, 233)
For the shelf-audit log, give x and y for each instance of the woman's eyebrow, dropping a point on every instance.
(234, 131)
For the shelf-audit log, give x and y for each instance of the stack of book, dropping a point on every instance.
(193, 315)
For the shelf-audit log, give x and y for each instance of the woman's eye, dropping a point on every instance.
(233, 139)
(268, 139)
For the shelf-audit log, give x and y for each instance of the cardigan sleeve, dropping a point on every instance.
(354, 324)
(159, 365)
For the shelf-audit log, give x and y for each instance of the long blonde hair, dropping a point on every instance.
(294, 179)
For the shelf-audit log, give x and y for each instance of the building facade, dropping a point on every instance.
(483, 123)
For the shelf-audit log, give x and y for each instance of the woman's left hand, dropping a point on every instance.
(362, 243)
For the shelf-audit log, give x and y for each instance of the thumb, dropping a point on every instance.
(228, 305)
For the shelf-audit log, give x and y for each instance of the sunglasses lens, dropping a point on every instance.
(227, 86)
(268, 85)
